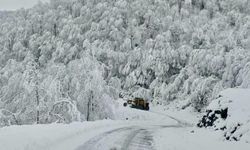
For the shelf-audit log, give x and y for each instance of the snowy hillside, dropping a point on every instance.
(153, 130)
(68, 66)
(68, 61)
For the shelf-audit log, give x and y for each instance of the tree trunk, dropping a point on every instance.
(89, 105)
(37, 56)
(37, 105)
(179, 6)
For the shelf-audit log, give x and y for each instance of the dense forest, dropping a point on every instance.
(67, 61)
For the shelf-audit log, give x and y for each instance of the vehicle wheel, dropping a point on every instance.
(125, 104)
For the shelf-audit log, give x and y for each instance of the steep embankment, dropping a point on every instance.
(230, 114)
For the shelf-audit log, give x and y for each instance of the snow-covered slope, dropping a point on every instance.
(236, 121)
(194, 139)
(238, 103)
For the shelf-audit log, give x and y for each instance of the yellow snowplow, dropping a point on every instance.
(138, 103)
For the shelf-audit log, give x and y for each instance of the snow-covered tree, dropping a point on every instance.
(67, 61)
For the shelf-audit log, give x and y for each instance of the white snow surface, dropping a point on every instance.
(238, 103)
(168, 129)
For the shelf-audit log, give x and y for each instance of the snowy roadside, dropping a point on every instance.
(171, 129)
(237, 125)
(70, 137)
(194, 139)
(186, 117)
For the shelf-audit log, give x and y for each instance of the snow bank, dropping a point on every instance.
(236, 122)
(50, 137)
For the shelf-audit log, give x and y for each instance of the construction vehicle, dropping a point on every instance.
(138, 103)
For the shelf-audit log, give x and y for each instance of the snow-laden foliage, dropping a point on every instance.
(67, 60)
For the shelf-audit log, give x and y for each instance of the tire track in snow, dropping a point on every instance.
(126, 138)
(141, 139)
(92, 144)
(130, 138)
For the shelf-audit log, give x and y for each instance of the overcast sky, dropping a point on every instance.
(16, 4)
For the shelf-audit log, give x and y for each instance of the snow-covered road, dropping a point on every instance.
(131, 130)
(125, 138)
(136, 135)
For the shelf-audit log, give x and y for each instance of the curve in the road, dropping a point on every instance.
(128, 138)
(92, 144)
(134, 138)
(181, 122)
